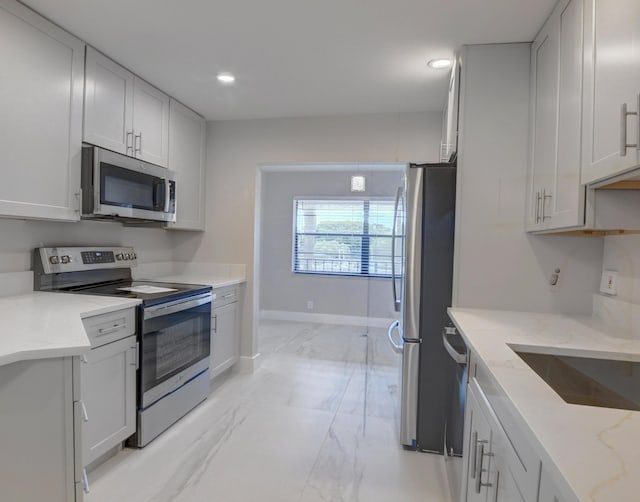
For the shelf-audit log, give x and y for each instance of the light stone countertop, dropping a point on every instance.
(42, 325)
(209, 279)
(592, 453)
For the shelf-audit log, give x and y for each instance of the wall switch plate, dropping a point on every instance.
(310, 305)
(609, 282)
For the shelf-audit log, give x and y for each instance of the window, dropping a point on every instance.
(345, 237)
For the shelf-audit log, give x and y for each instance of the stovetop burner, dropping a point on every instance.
(156, 292)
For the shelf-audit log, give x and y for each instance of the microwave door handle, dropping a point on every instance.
(167, 194)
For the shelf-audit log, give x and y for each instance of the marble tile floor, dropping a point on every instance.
(317, 421)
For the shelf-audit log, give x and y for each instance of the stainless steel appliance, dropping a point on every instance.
(454, 426)
(422, 287)
(117, 187)
(174, 328)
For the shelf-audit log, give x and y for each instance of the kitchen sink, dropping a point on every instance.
(589, 381)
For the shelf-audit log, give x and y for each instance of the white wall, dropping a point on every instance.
(498, 265)
(236, 148)
(18, 238)
(283, 290)
(622, 254)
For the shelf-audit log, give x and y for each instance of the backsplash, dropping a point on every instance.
(622, 254)
(20, 237)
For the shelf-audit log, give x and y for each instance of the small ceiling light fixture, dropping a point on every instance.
(226, 78)
(440, 64)
(358, 184)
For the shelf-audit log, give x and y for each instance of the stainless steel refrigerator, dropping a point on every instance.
(422, 289)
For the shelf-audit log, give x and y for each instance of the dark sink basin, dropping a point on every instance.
(589, 381)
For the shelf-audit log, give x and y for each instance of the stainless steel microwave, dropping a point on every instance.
(118, 187)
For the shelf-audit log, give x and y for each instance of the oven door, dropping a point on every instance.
(174, 346)
(129, 188)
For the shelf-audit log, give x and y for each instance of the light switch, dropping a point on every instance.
(609, 282)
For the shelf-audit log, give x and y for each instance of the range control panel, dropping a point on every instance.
(73, 259)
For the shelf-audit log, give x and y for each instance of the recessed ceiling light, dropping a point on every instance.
(440, 64)
(226, 78)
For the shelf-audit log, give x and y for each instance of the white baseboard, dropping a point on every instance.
(248, 364)
(281, 315)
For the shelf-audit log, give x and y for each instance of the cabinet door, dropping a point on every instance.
(611, 78)
(108, 381)
(187, 159)
(477, 452)
(544, 127)
(566, 207)
(108, 104)
(41, 110)
(225, 339)
(36, 410)
(548, 490)
(150, 123)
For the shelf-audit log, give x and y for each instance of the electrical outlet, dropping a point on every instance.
(310, 305)
(609, 282)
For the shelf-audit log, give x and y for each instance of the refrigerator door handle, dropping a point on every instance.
(455, 355)
(396, 302)
(397, 347)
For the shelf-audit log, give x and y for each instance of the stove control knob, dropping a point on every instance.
(119, 256)
(127, 256)
(65, 259)
(53, 260)
(134, 256)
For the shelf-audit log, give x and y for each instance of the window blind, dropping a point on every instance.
(345, 237)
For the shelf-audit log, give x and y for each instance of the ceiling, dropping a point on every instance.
(295, 58)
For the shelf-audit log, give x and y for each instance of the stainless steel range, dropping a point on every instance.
(174, 322)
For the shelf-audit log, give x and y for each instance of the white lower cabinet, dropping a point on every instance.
(108, 381)
(225, 330)
(39, 459)
(549, 492)
(496, 472)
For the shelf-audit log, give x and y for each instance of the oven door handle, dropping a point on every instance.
(176, 306)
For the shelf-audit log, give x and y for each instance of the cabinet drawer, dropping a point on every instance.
(225, 296)
(110, 327)
(523, 462)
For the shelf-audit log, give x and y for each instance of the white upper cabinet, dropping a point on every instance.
(40, 116)
(544, 116)
(150, 124)
(187, 158)
(124, 113)
(556, 197)
(108, 101)
(611, 80)
(449, 143)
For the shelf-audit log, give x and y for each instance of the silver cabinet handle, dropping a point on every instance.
(537, 207)
(85, 481)
(137, 148)
(624, 114)
(135, 355)
(545, 196)
(228, 295)
(111, 329)
(85, 417)
(83, 359)
(127, 145)
(215, 326)
(480, 470)
(474, 458)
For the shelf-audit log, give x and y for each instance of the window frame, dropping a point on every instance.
(365, 236)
